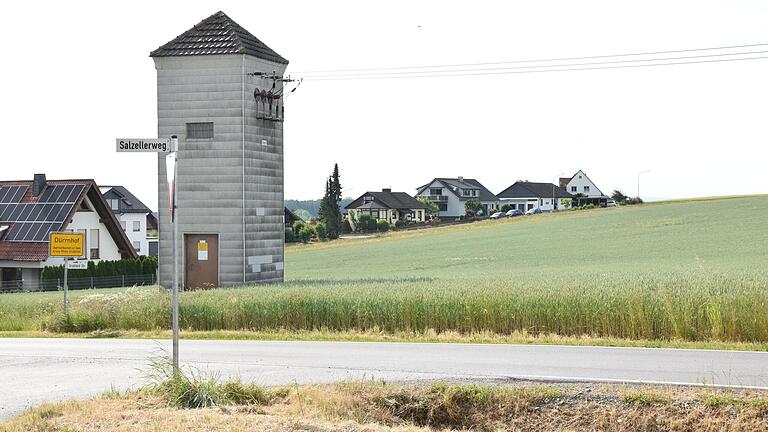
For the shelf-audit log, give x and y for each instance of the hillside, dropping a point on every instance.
(715, 235)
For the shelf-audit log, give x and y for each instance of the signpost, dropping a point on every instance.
(170, 146)
(66, 245)
(142, 145)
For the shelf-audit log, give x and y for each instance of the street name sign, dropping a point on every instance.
(143, 145)
(77, 265)
(66, 245)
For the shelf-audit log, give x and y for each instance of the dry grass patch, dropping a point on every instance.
(367, 406)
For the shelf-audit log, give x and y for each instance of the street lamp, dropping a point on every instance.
(638, 181)
(557, 180)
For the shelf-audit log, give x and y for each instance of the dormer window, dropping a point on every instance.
(367, 199)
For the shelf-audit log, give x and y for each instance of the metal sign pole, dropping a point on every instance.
(66, 262)
(174, 221)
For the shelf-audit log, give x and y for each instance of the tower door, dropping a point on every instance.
(201, 253)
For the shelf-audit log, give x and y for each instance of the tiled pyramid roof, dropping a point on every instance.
(217, 34)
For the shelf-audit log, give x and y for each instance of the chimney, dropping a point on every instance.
(461, 179)
(386, 190)
(38, 184)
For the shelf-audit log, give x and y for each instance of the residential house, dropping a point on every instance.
(525, 195)
(388, 206)
(584, 190)
(290, 217)
(450, 194)
(137, 220)
(31, 210)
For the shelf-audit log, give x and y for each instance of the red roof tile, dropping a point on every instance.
(12, 251)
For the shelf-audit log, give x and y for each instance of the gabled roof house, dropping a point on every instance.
(138, 220)
(525, 195)
(388, 206)
(450, 194)
(585, 191)
(31, 210)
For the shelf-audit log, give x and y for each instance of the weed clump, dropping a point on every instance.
(190, 388)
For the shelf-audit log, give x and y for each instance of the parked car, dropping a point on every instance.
(533, 211)
(497, 215)
(514, 212)
(611, 203)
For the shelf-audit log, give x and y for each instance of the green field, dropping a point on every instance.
(687, 270)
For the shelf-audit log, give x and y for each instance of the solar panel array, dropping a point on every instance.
(33, 222)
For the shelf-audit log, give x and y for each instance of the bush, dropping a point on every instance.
(382, 226)
(290, 237)
(400, 223)
(635, 200)
(366, 223)
(505, 208)
(297, 227)
(346, 227)
(306, 234)
(321, 230)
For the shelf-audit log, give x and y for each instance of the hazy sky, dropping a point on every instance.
(77, 75)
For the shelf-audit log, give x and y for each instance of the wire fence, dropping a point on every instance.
(77, 283)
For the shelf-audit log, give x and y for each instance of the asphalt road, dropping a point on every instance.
(37, 370)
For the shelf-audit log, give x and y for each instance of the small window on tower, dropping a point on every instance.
(200, 130)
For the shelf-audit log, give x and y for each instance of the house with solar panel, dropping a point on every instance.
(31, 210)
(220, 91)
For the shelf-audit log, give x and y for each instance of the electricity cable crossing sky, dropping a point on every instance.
(610, 61)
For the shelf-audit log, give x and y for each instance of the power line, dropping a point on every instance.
(509, 72)
(549, 66)
(536, 61)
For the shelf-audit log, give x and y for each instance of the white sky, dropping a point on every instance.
(76, 77)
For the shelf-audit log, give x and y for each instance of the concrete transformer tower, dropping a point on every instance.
(219, 89)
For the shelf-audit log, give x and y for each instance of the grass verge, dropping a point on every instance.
(204, 403)
(430, 336)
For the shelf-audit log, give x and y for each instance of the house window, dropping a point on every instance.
(474, 193)
(586, 188)
(530, 206)
(136, 226)
(137, 246)
(466, 192)
(114, 204)
(442, 206)
(94, 245)
(436, 191)
(200, 130)
(573, 188)
(367, 199)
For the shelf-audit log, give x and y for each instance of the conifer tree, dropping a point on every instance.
(329, 212)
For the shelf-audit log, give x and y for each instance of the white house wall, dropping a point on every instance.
(87, 221)
(140, 236)
(455, 206)
(579, 184)
(545, 204)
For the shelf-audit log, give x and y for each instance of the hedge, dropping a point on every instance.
(143, 265)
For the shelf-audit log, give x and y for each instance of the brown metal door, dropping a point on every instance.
(201, 252)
